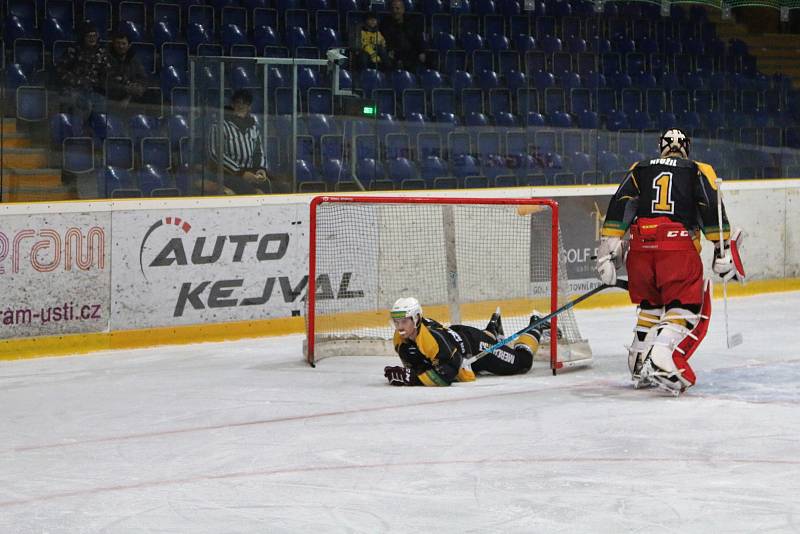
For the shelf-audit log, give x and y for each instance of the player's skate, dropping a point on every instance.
(495, 326)
(543, 328)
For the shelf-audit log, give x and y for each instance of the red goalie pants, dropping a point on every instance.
(663, 264)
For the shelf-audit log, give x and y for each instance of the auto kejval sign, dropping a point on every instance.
(190, 266)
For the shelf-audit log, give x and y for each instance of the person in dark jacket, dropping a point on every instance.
(82, 73)
(126, 77)
(404, 39)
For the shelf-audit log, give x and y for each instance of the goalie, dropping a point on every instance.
(665, 203)
(435, 355)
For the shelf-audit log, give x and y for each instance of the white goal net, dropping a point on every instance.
(460, 257)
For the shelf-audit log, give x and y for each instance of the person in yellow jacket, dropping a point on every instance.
(435, 355)
(373, 45)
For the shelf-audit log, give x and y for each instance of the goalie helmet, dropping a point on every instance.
(407, 307)
(674, 142)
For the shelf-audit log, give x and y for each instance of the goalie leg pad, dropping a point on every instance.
(647, 318)
(679, 335)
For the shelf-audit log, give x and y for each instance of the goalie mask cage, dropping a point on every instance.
(460, 257)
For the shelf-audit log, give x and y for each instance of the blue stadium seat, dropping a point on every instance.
(171, 78)
(401, 171)
(61, 126)
(333, 172)
(443, 101)
(402, 80)
(141, 126)
(431, 168)
(368, 171)
(164, 32)
(151, 177)
(431, 79)
(17, 29)
(616, 120)
(488, 80)
(524, 42)
(54, 31)
(263, 16)
(640, 120)
(29, 54)
(111, 179)
(371, 80)
(588, 119)
(471, 42)
(134, 32)
(474, 118)
(533, 118)
(607, 162)
(24, 11)
(429, 144)
(266, 36)
(233, 35)
(99, 13)
(327, 38)
(104, 125)
(296, 37)
(157, 151)
(197, 34)
(78, 155)
(175, 55)
(544, 79)
(202, 15)
(31, 104)
(465, 165)
(234, 14)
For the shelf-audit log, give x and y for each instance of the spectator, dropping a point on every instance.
(403, 38)
(82, 73)
(126, 76)
(373, 45)
(244, 167)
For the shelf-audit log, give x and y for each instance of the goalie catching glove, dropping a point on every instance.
(610, 257)
(728, 263)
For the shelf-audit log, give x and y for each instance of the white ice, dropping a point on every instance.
(244, 437)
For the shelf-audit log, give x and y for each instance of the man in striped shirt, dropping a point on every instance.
(243, 161)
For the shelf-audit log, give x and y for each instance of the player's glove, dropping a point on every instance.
(729, 265)
(397, 376)
(610, 257)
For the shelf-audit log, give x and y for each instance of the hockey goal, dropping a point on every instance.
(460, 257)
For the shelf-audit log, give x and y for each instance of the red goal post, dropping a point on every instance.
(471, 242)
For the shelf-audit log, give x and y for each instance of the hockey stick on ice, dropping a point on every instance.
(736, 338)
(622, 284)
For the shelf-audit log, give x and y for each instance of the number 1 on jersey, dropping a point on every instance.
(663, 202)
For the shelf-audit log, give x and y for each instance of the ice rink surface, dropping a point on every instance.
(244, 437)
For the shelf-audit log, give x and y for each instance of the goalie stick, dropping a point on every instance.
(622, 284)
(735, 338)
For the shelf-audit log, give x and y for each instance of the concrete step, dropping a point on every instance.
(39, 195)
(25, 158)
(31, 178)
(9, 126)
(14, 140)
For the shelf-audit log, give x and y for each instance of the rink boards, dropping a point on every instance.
(84, 276)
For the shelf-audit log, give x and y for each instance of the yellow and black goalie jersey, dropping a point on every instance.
(682, 190)
(435, 357)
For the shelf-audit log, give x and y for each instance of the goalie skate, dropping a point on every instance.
(664, 381)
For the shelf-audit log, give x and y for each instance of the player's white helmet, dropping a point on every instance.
(407, 307)
(673, 143)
